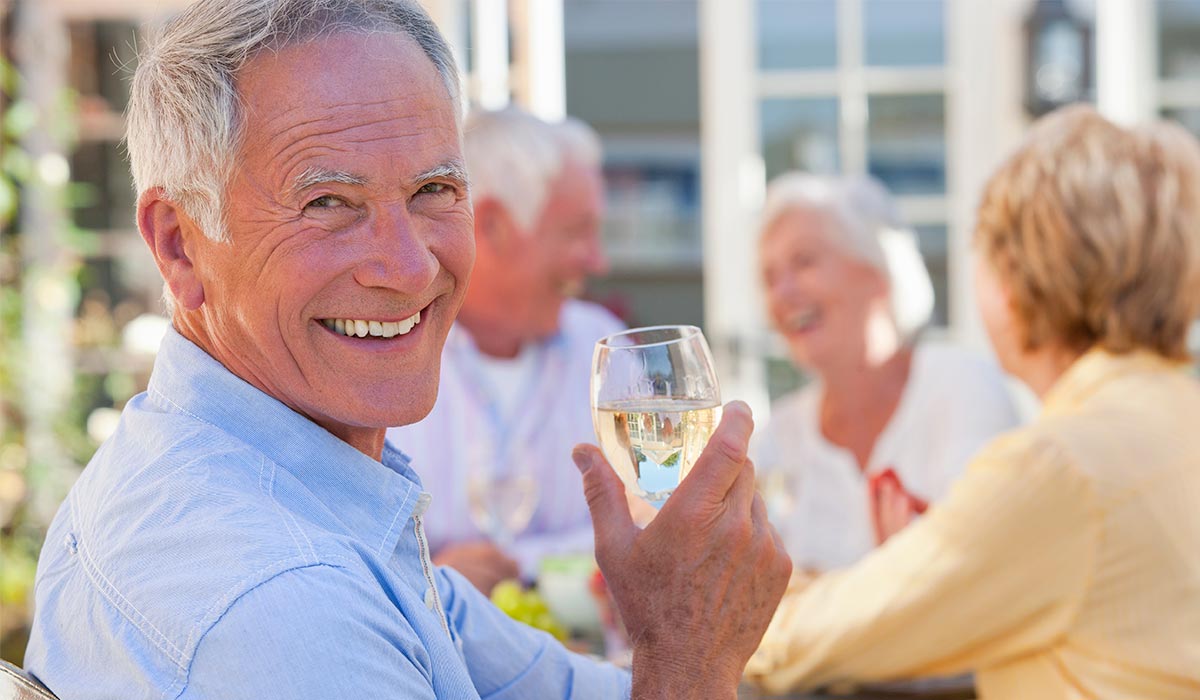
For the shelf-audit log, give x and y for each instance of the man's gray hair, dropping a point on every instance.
(513, 157)
(863, 221)
(184, 123)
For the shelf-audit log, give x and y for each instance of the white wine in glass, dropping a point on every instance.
(655, 403)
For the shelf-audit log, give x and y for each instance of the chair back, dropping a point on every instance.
(15, 684)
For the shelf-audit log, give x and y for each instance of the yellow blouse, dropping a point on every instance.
(1064, 564)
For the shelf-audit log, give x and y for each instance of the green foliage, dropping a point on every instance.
(28, 481)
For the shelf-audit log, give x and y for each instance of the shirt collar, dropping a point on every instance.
(1098, 367)
(370, 497)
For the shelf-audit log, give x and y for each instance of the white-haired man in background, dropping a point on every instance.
(513, 398)
(246, 532)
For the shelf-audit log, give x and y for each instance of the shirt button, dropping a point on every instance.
(430, 601)
(71, 543)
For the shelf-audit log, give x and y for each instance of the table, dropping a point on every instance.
(947, 691)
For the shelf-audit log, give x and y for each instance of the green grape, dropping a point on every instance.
(526, 606)
(507, 596)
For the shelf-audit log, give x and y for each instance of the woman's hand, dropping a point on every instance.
(892, 507)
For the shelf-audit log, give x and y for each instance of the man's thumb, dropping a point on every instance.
(605, 496)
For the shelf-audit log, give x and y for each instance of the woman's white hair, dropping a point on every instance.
(513, 157)
(183, 127)
(862, 220)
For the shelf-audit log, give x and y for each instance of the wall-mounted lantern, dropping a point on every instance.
(1058, 57)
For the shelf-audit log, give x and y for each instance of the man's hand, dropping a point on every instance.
(698, 586)
(482, 563)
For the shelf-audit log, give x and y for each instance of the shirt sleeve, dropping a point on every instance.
(996, 570)
(508, 660)
(981, 410)
(307, 633)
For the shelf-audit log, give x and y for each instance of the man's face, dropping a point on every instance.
(345, 206)
(554, 260)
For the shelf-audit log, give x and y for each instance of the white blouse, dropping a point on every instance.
(953, 403)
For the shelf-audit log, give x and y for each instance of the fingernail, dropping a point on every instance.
(583, 458)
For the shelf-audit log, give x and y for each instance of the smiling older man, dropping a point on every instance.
(246, 532)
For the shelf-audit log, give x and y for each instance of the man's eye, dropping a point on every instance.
(325, 202)
(433, 188)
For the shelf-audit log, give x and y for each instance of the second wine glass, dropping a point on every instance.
(502, 495)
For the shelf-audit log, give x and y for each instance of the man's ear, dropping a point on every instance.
(170, 233)
(494, 226)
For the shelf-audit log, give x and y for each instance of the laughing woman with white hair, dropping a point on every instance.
(889, 422)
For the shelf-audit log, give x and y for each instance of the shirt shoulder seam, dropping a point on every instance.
(126, 608)
(289, 519)
(235, 593)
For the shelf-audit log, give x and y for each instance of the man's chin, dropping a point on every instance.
(572, 288)
(412, 409)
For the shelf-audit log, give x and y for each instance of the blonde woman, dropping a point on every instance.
(1065, 563)
(886, 413)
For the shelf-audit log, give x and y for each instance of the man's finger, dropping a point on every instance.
(744, 488)
(721, 462)
(605, 494)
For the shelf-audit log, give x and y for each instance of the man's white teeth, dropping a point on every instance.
(357, 328)
(802, 319)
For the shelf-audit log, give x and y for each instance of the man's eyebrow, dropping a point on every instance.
(317, 176)
(450, 170)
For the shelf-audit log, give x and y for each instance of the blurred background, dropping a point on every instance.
(698, 103)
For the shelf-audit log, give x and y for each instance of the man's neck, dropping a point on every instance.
(367, 440)
(493, 338)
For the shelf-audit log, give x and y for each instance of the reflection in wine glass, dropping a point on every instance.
(655, 402)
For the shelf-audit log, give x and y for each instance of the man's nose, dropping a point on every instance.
(595, 261)
(780, 285)
(397, 254)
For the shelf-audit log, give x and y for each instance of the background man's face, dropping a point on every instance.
(554, 261)
(392, 239)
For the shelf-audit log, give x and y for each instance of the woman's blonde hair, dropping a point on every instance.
(1095, 231)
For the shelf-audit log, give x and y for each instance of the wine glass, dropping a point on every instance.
(655, 403)
(502, 495)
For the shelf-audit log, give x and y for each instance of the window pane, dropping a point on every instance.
(799, 134)
(906, 142)
(1188, 117)
(104, 194)
(905, 32)
(1179, 38)
(103, 58)
(653, 213)
(932, 241)
(797, 33)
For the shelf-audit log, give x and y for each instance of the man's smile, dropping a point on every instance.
(362, 328)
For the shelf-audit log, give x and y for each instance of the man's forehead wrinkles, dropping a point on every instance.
(341, 117)
(331, 137)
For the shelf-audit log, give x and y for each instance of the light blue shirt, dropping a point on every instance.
(220, 545)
